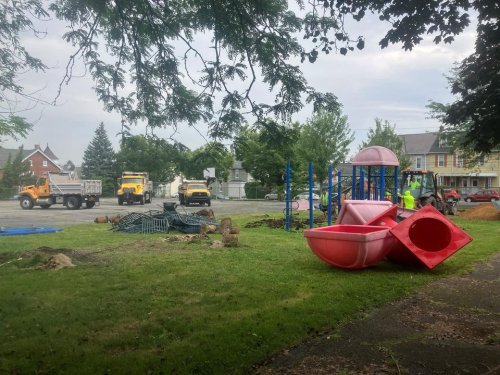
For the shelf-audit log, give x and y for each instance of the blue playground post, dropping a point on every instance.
(382, 182)
(339, 188)
(353, 183)
(311, 203)
(330, 173)
(287, 197)
(396, 187)
(361, 183)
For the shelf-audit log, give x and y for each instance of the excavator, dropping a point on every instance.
(423, 186)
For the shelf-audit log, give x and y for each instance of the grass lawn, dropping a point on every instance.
(140, 304)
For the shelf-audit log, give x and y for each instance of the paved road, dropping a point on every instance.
(11, 214)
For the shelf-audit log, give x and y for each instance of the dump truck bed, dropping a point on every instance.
(64, 184)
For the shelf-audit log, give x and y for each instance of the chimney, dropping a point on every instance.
(37, 147)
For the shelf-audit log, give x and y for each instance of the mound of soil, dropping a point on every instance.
(485, 211)
(58, 261)
(451, 326)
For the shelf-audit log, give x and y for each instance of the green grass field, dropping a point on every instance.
(138, 303)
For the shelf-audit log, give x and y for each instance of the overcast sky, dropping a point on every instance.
(390, 84)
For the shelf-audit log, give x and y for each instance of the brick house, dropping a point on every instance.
(40, 161)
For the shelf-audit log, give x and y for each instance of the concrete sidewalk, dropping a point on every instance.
(451, 326)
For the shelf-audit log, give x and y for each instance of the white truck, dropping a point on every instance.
(60, 188)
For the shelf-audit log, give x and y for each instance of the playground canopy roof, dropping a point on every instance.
(376, 155)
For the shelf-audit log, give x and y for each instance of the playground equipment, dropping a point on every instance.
(350, 246)
(367, 231)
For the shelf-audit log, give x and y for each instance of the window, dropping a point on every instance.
(441, 160)
(460, 161)
(481, 161)
(45, 163)
(475, 182)
(418, 162)
(236, 173)
(31, 163)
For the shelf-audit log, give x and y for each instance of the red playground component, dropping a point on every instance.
(428, 238)
(359, 212)
(350, 246)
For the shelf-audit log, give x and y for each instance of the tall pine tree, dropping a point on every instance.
(99, 161)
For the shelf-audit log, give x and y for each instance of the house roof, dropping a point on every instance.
(5, 152)
(419, 144)
(4, 155)
(49, 153)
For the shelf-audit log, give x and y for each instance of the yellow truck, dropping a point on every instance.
(60, 188)
(194, 191)
(134, 187)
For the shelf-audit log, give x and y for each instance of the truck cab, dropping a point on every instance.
(194, 191)
(134, 187)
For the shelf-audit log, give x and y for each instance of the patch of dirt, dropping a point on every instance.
(451, 326)
(44, 253)
(295, 223)
(57, 262)
(485, 211)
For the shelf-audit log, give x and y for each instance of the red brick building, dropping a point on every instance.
(41, 161)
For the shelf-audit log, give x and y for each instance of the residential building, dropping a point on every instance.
(40, 161)
(235, 185)
(430, 151)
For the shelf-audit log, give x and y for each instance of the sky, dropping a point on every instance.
(390, 84)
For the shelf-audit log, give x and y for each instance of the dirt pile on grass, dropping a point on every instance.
(485, 211)
(58, 261)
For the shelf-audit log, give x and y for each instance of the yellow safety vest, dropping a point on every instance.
(409, 201)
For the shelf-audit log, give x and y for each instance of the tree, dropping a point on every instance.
(15, 18)
(265, 149)
(150, 154)
(16, 173)
(242, 43)
(384, 135)
(99, 161)
(475, 115)
(213, 155)
(324, 140)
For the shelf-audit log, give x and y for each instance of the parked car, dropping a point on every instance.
(483, 196)
(305, 195)
(271, 196)
(451, 194)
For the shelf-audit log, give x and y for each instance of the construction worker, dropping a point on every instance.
(324, 201)
(408, 200)
(414, 184)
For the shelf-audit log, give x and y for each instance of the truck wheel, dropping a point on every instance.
(120, 201)
(186, 202)
(89, 204)
(73, 203)
(141, 201)
(45, 206)
(209, 203)
(26, 203)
